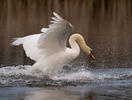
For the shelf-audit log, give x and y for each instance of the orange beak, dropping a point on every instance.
(92, 56)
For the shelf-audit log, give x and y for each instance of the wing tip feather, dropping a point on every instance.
(57, 16)
(17, 41)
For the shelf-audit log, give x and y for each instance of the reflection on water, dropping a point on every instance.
(95, 91)
(56, 94)
(105, 24)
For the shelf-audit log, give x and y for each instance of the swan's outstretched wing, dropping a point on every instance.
(30, 45)
(54, 40)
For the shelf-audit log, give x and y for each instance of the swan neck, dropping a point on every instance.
(74, 45)
(77, 40)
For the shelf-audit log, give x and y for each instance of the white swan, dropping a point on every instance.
(49, 49)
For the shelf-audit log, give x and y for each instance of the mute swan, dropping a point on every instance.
(49, 49)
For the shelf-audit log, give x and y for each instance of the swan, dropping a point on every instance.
(48, 49)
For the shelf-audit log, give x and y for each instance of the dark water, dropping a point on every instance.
(105, 24)
(107, 28)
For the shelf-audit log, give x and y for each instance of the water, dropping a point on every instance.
(99, 84)
(23, 76)
(106, 26)
(67, 93)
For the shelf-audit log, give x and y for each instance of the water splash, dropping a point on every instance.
(22, 75)
(97, 75)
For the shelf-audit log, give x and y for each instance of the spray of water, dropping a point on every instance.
(22, 75)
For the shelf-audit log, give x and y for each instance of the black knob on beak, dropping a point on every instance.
(91, 55)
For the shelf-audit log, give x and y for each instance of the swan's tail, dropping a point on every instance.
(17, 41)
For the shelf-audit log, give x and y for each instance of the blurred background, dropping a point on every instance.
(105, 24)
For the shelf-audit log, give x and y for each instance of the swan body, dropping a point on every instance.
(49, 49)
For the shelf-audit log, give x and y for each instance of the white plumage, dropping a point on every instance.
(49, 49)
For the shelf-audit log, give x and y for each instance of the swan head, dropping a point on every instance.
(92, 54)
(87, 50)
(80, 40)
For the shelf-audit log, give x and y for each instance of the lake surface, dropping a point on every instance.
(67, 93)
(18, 83)
(107, 28)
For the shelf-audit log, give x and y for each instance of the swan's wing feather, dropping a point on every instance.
(52, 40)
(56, 36)
(30, 45)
